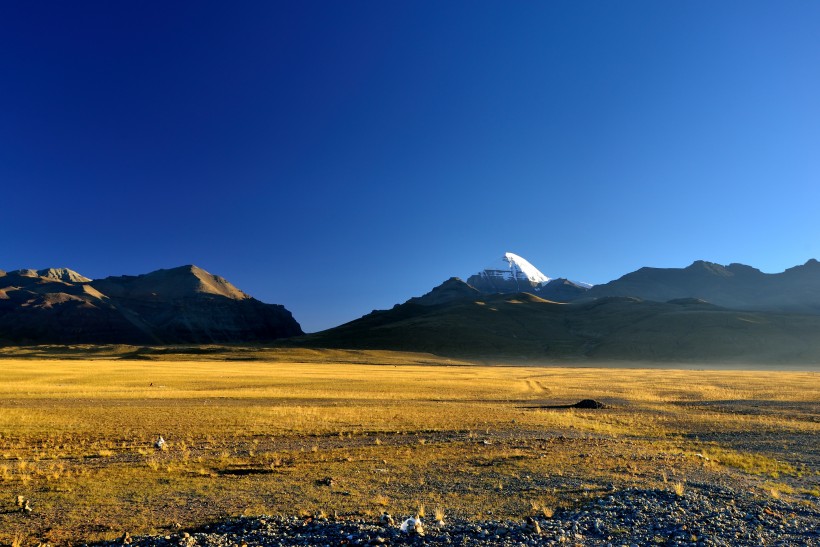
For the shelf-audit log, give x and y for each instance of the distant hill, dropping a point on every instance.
(736, 286)
(454, 320)
(178, 305)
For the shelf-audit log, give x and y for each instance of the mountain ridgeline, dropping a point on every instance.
(173, 306)
(510, 310)
(702, 313)
(736, 286)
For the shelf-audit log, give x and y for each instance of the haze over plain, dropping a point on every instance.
(341, 158)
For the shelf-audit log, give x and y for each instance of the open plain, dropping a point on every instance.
(348, 435)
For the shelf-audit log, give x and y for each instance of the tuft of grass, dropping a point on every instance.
(678, 488)
(753, 463)
(539, 507)
(19, 539)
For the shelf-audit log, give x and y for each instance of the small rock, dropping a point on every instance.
(413, 526)
(531, 525)
(387, 519)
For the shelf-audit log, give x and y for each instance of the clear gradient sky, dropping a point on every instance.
(337, 157)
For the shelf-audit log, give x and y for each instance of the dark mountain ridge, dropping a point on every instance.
(456, 320)
(736, 286)
(178, 305)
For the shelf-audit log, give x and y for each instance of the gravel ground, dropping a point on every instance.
(703, 515)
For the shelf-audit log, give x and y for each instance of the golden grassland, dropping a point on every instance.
(360, 432)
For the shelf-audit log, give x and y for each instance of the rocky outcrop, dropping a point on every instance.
(179, 305)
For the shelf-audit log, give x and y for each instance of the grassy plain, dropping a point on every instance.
(356, 433)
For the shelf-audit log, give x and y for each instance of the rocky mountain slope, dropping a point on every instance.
(178, 305)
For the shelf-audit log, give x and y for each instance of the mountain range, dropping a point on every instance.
(705, 312)
(177, 305)
(524, 326)
(736, 286)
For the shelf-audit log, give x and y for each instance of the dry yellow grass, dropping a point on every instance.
(308, 432)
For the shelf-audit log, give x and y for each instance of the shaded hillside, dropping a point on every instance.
(613, 328)
(736, 286)
(179, 305)
(562, 290)
(452, 290)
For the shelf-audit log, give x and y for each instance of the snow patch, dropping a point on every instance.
(511, 266)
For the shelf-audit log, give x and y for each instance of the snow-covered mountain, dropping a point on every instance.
(512, 273)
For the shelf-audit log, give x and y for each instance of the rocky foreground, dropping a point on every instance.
(706, 515)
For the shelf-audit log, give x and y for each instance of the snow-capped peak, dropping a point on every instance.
(512, 266)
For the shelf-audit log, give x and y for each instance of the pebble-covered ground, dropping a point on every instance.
(703, 515)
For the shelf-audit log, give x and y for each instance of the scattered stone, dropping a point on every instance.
(709, 515)
(27, 507)
(160, 443)
(413, 526)
(125, 539)
(531, 526)
(387, 519)
(20, 501)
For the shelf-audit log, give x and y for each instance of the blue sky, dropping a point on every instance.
(338, 157)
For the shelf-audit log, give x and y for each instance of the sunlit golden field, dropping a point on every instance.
(392, 431)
